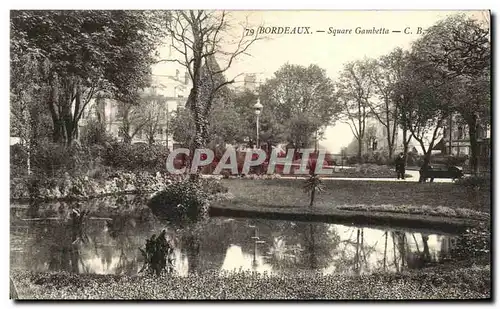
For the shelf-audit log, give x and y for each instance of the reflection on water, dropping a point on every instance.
(108, 244)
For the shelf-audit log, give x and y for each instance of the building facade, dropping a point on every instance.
(456, 139)
(171, 88)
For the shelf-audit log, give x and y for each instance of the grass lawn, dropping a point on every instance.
(428, 199)
(454, 283)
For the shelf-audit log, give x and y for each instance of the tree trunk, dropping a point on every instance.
(360, 146)
(390, 149)
(200, 127)
(425, 165)
(474, 145)
(406, 144)
(151, 137)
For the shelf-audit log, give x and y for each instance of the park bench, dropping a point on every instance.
(440, 171)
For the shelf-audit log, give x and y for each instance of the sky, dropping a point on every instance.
(328, 51)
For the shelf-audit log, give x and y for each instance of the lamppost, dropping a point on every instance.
(258, 108)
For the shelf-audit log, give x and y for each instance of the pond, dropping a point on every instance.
(44, 238)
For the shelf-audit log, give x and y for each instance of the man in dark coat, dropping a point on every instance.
(400, 166)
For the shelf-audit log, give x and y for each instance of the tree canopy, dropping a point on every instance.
(85, 52)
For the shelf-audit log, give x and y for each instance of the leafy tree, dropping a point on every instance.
(29, 118)
(182, 126)
(302, 99)
(426, 103)
(271, 130)
(224, 126)
(460, 48)
(86, 52)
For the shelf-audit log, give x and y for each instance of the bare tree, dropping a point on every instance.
(201, 39)
(133, 121)
(354, 92)
(384, 73)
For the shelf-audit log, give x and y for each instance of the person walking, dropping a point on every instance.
(400, 166)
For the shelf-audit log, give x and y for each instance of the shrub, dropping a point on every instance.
(136, 157)
(181, 202)
(379, 158)
(18, 155)
(367, 158)
(18, 161)
(212, 186)
(414, 159)
(353, 160)
(475, 182)
(54, 159)
(449, 160)
(158, 255)
(94, 133)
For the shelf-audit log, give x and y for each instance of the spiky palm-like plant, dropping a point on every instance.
(313, 182)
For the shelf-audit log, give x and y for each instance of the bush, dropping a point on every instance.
(449, 160)
(18, 155)
(414, 159)
(212, 186)
(18, 161)
(136, 157)
(54, 159)
(94, 133)
(181, 202)
(379, 158)
(82, 187)
(353, 160)
(475, 182)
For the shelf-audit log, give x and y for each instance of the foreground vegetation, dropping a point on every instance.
(438, 283)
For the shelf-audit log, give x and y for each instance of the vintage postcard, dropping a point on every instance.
(248, 155)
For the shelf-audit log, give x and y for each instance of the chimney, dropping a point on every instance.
(186, 78)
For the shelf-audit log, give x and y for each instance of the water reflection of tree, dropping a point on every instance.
(402, 256)
(300, 245)
(204, 244)
(65, 244)
(353, 256)
(126, 234)
(56, 241)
